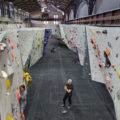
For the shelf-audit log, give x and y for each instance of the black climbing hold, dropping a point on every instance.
(116, 55)
(109, 44)
(117, 37)
(104, 31)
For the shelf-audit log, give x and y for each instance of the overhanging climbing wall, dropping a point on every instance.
(104, 52)
(74, 36)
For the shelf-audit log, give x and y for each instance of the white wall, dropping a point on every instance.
(82, 10)
(105, 5)
(71, 15)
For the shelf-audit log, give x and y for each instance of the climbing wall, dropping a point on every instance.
(37, 46)
(31, 41)
(74, 37)
(4, 27)
(11, 75)
(18, 46)
(55, 30)
(104, 48)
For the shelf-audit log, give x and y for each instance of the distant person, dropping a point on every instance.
(53, 49)
(23, 97)
(68, 95)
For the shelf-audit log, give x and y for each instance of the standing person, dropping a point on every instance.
(68, 95)
(23, 97)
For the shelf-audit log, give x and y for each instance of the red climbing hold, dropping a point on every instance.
(72, 38)
(109, 88)
(92, 41)
(8, 40)
(74, 46)
(100, 65)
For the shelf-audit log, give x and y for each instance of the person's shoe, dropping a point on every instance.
(62, 105)
(69, 107)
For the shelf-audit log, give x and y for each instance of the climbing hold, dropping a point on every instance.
(2, 47)
(12, 56)
(8, 117)
(107, 51)
(8, 83)
(98, 32)
(92, 41)
(113, 66)
(91, 31)
(109, 88)
(74, 46)
(4, 74)
(12, 45)
(119, 73)
(18, 95)
(104, 31)
(39, 36)
(38, 44)
(72, 38)
(94, 46)
(100, 65)
(8, 40)
(117, 37)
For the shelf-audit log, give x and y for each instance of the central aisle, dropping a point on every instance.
(91, 100)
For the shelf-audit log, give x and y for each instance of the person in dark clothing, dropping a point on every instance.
(68, 95)
(23, 97)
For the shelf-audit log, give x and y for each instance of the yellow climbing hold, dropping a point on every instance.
(28, 78)
(39, 36)
(8, 83)
(8, 117)
(119, 73)
(38, 44)
(94, 39)
(91, 30)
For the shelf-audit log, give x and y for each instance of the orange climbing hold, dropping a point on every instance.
(12, 56)
(12, 45)
(107, 51)
(98, 32)
(113, 66)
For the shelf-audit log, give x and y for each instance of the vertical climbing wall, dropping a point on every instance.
(11, 65)
(55, 30)
(31, 41)
(20, 44)
(102, 41)
(103, 47)
(74, 36)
